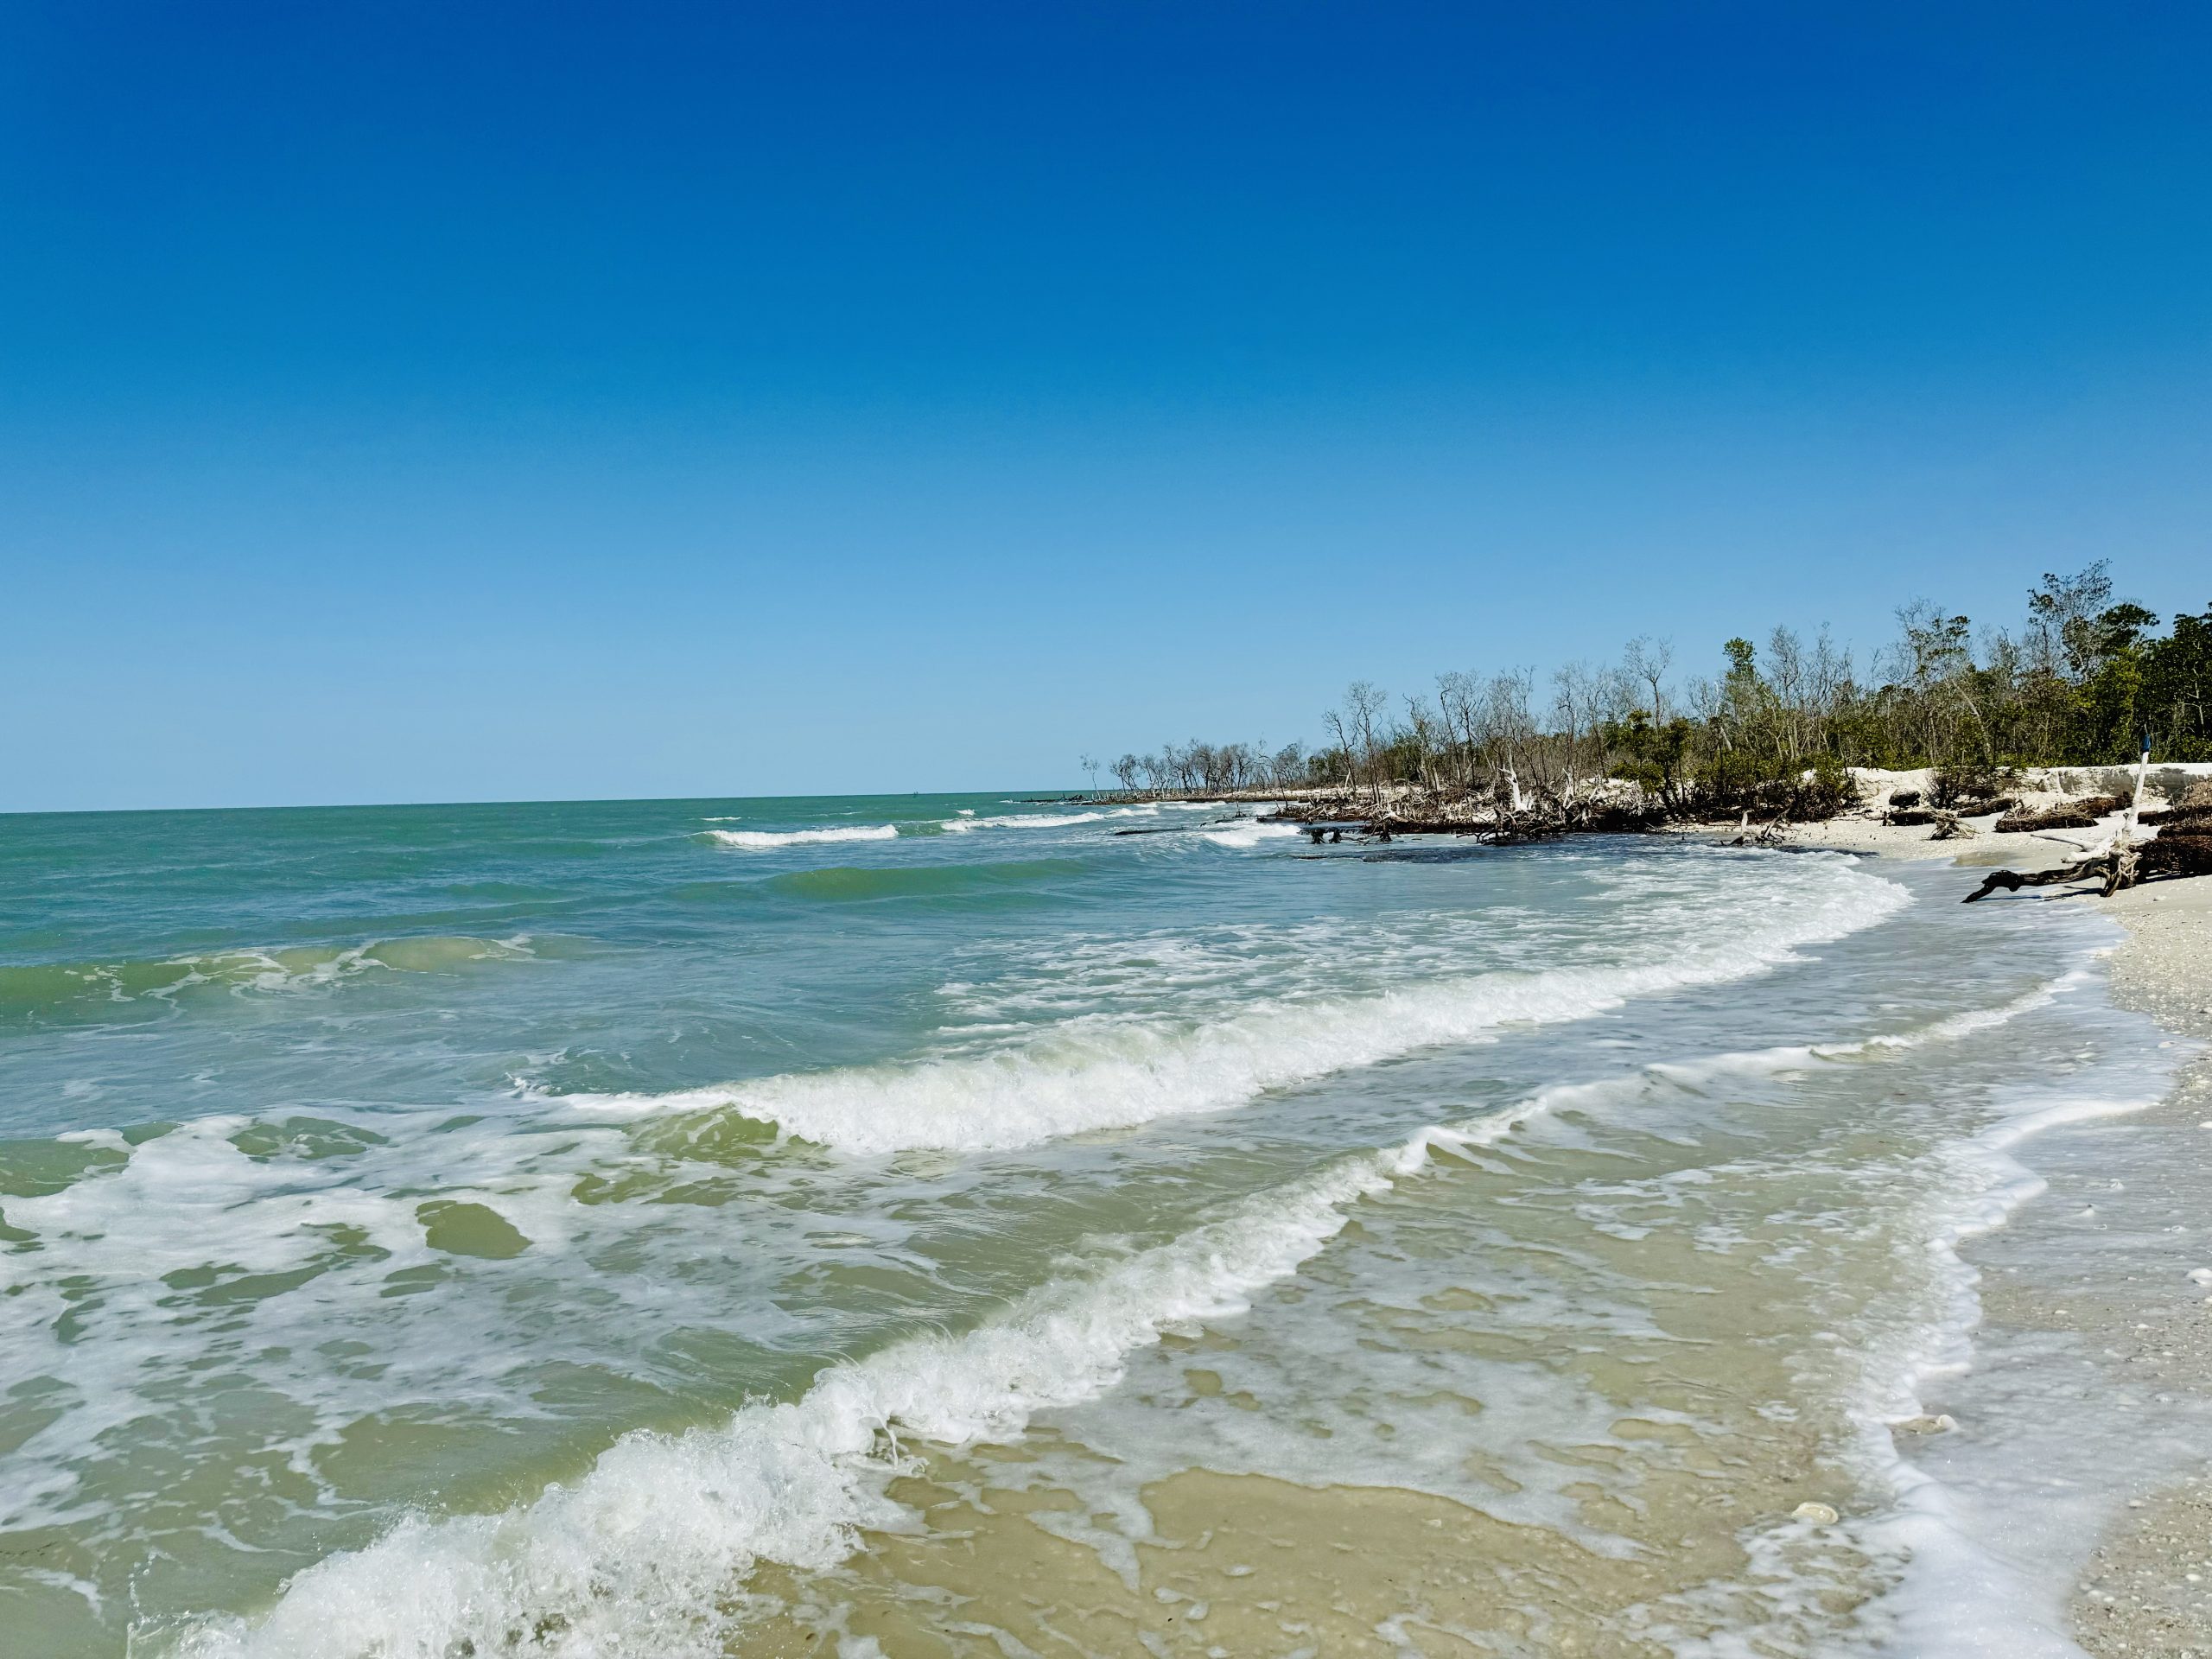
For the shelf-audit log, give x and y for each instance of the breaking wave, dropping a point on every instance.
(1249, 834)
(964, 823)
(761, 840)
(641, 1555)
(1083, 1075)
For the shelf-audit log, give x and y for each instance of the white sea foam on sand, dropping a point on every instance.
(645, 1554)
(640, 1556)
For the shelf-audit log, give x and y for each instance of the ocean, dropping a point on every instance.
(963, 1225)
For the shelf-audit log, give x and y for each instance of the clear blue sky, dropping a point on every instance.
(434, 402)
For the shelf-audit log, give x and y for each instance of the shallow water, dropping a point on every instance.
(955, 1225)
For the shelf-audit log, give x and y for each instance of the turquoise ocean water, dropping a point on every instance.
(960, 1224)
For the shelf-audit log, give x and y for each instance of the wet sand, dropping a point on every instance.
(2146, 1589)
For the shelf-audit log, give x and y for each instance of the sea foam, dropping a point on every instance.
(761, 840)
(641, 1555)
(1249, 834)
(646, 1553)
(966, 821)
(1082, 1076)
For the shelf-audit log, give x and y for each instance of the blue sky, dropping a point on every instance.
(476, 402)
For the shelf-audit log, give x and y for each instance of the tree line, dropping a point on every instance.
(2078, 681)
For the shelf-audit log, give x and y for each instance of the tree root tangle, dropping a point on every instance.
(2121, 864)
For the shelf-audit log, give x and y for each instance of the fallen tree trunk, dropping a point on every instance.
(2183, 820)
(2067, 815)
(2121, 864)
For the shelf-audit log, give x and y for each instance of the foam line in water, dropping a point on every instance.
(1951, 1028)
(762, 840)
(1958, 1595)
(1078, 1076)
(639, 1557)
(1023, 821)
(642, 1555)
(967, 820)
(1249, 834)
(1963, 1025)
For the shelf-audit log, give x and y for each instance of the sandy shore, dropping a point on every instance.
(2147, 1588)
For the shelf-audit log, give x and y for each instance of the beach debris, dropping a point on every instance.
(2066, 815)
(1820, 1514)
(1940, 1423)
(2123, 864)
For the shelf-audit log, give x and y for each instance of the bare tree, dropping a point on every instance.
(1460, 699)
(1648, 660)
(1353, 728)
(1575, 695)
(1508, 732)
(1426, 738)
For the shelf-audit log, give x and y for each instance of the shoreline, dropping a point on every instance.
(2146, 1587)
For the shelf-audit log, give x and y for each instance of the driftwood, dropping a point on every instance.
(2067, 815)
(1909, 814)
(2121, 864)
(2187, 820)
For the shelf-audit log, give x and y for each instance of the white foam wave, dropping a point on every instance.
(641, 1555)
(1081, 1076)
(1963, 1025)
(1249, 835)
(645, 1554)
(759, 840)
(1023, 821)
(1960, 1596)
(1950, 1028)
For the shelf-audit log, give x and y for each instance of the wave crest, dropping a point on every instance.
(1083, 1075)
(639, 1557)
(762, 840)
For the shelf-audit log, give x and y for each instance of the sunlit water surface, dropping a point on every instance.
(958, 1225)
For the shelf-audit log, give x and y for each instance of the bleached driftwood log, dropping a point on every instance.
(2121, 864)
